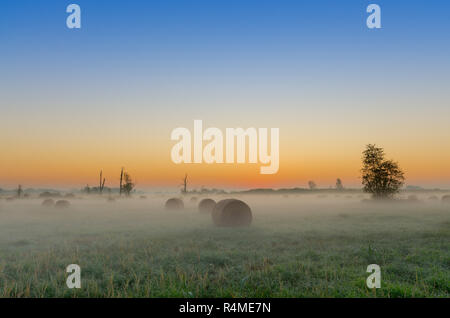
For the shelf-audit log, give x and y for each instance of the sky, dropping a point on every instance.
(108, 95)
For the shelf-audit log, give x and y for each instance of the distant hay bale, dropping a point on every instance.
(111, 199)
(446, 198)
(48, 194)
(193, 199)
(433, 198)
(69, 195)
(232, 212)
(174, 204)
(62, 204)
(9, 199)
(206, 205)
(413, 198)
(48, 202)
(143, 197)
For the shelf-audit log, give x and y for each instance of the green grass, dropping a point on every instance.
(298, 248)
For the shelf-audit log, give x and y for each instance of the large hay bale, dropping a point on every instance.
(48, 202)
(174, 204)
(206, 205)
(232, 212)
(62, 204)
(446, 198)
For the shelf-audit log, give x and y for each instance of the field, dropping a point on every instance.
(297, 246)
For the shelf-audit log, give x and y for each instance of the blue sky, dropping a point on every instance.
(299, 65)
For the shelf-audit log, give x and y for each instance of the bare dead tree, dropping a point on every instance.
(184, 184)
(121, 178)
(101, 183)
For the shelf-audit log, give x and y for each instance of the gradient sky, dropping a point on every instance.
(73, 102)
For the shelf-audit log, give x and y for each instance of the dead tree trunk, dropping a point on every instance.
(121, 177)
(185, 184)
(101, 185)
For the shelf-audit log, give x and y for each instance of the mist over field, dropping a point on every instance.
(298, 245)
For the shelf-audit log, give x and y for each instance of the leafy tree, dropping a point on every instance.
(339, 185)
(128, 184)
(380, 177)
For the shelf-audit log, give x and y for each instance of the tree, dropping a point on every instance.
(19, 191)
(101, 185)
(128, 185)
(312, 185)
(184, 184)
(380, 177)
(339, 185)
(121, 179)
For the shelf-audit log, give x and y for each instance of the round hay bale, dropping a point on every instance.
(232, 212)
(206, 205)
(413, 198)
(446, 198)
(111, 199)
(62, 204)
(174, 204)
(142, 197)
(194, 199)
(48, 194)
(48, 202)
(433, 198)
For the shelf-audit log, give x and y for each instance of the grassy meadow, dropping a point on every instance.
(303, 245)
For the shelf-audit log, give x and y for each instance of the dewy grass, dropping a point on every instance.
(301, 246)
